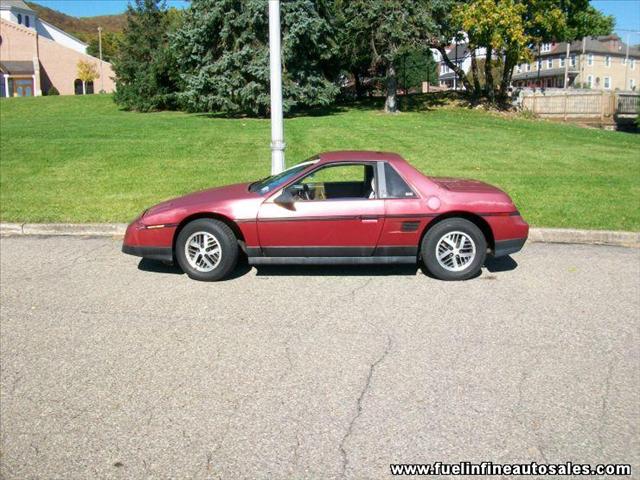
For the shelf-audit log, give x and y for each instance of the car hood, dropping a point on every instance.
(237, 191)
(464, 185)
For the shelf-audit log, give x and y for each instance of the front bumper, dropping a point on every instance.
(507, 247)
(155, 253)
(154, 243)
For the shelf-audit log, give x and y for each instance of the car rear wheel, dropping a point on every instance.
(454, 249)
(207, 250)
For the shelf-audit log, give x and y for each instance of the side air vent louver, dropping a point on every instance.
(410, 226)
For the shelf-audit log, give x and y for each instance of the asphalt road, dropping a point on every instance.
(114, 370)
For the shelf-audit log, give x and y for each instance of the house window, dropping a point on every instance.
(528, 67)
(590, 59)
(26, 21)
(518, 68)
(590, 81)
(573, 60)
(607, 61)
(549, 63)
(19, 19)
(607, 83)
(545, 47)
(632, 84)
(562, 62)
(77, 87)
(633, 64)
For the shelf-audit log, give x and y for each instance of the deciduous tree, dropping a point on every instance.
(389, 27)
(87, 72)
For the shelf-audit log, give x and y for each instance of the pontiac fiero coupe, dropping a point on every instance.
(351, 207)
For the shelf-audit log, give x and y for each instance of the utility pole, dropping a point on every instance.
(584, 47)
(566, 66)
(455, 75)
(277, 127)
(100, 53)
(626, 64)
(539, 64)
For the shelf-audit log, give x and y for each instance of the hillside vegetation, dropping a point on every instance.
(84, 28)
(81, 159)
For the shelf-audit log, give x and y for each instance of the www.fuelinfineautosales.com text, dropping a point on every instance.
(490, 468)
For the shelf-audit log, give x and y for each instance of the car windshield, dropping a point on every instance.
(272, 183)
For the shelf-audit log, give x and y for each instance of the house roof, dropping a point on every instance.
(459, 51)
(553, 72)
(448, 76)
(7, 4)
(17, 67)
(606, 45)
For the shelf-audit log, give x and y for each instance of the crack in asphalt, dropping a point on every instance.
(363, 392)
(605, 402)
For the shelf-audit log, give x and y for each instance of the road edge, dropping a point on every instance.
(537, 235)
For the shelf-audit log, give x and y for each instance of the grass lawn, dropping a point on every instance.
(80, 159)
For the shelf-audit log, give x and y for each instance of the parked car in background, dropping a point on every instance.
(349, 207)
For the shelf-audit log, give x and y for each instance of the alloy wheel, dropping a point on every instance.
(203, 251)
(455, 251)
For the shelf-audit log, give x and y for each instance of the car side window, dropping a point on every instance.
(396, 186)
(333, 182)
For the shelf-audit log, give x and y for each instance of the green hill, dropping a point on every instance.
(85, 28)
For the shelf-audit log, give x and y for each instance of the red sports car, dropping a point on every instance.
(336, 208)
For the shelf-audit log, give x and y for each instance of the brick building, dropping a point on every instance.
(36, 57)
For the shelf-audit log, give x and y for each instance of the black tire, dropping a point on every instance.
(228, 246)
(429, 246)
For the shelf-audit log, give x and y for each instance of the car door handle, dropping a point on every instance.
(368, 218)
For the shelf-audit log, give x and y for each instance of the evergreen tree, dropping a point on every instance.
(416, 66)
(224, 55)
(146, 77)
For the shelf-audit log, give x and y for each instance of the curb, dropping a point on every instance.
(536, 235)
(64, 229)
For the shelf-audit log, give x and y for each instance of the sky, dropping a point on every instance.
(626, 12)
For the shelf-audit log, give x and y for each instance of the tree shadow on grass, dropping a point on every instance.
(414, 102)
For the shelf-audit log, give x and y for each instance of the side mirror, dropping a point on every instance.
(285, 199)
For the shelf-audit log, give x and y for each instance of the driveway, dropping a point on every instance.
(111, 369)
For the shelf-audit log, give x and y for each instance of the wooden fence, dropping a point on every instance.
(569, 104)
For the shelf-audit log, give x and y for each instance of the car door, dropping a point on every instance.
(335, 212)
(405, 216)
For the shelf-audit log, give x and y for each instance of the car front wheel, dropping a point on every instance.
(207, 250)
(454, 249)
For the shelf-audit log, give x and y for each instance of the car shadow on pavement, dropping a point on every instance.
(493, 265)
(500, 264)
(335, 270)
(156, 266)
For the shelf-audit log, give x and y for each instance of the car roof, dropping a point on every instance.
(359, 155)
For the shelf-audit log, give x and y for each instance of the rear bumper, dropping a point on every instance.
(506, 247)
